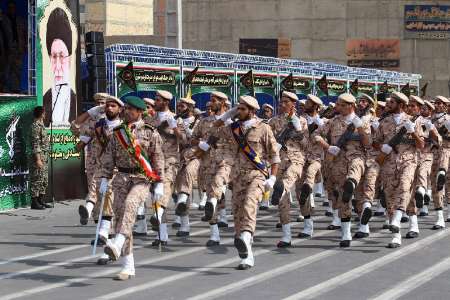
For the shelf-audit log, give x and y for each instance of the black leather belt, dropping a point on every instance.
(128, 170)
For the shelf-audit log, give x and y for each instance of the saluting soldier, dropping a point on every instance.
(40, 149)
(349, 138)
(254, 144)
(136, 152)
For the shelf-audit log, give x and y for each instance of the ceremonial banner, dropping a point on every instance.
(368, 88)
(300, 84)
(377, 54)
(335, 88)
(15, 150)
(150, 78)
(427, 22)
(209, 80)
(264, 85)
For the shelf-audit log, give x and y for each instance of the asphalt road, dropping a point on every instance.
(47, 255)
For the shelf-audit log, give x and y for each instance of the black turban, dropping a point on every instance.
(58, 27)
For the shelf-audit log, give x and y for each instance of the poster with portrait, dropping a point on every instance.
(58, 60)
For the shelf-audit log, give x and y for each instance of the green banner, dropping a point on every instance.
(335, 88)
(264, 85)
(302, 85)
(15, 150)
(366, 88)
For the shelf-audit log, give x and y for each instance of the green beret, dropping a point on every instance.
(136, 102)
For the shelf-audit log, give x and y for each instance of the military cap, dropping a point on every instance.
(416, 99)
(114, 99)
(429, 104)
(290, 95)
(381, 103)
(267, 105)
(166, 95)
(365, 96)
(149, 101)
(400, 96)
(348, 98)
(314, 99)
(442, 99)
(135, 102)
(187, 101)
(219, 95)
(250, 101)
(99, 96)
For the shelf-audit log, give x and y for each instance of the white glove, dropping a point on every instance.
(279, 146)
(103, 186)
(334, 150)
(158, 191)
(229, 114)
(447, 125)
(188, 131)
(357, 122)
(296, 122)
(203, 145)
(172, 122)
(96, 111)
(375, 125)
(318, 121)
(428, 124)
(269, 183)
(409, 126)
(386, 149)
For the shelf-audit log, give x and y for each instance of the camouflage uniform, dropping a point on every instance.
(130, 187)
(40, 144)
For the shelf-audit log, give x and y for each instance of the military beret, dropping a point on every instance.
(302, 102)
(267, 105)
(416, 99)
(381, 103)
(99, 96)
(228, 102)
(187, 101)
(314, 99)
(429, 104)
(346, 97)
(365, 96)
(332, 104)
(442, 99)
(219, 95)
(114, 99)
(164, 94)
(149, 101)
(400, 96)
(135, 102)
(290, 95)
(250, 101)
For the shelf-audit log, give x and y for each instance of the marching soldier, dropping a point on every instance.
(150, 103)
(136, 152)
(40, 145)
(291, 132)
(365, 192)
(349, 139)
(313, 164)
(267, 112)
(254, 143)
(439, 178)
(166, 124)
(189, 165)
(400, 132)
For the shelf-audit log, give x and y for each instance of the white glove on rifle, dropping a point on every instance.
(386, 149)
(96, 111)
(296, 122)
(409, 126)
(334, 150)
(229, 114)
(357, 122)
(203, 145)
(172, 122)
(375, 125)
(158, 191)
(447, 125)
(103, 186)
(318, 121)
(270, 182)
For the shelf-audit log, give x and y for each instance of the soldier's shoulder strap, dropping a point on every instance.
(148, 126)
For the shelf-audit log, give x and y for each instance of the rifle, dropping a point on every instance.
(394, 142)
(346, 136)
(328, 113)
